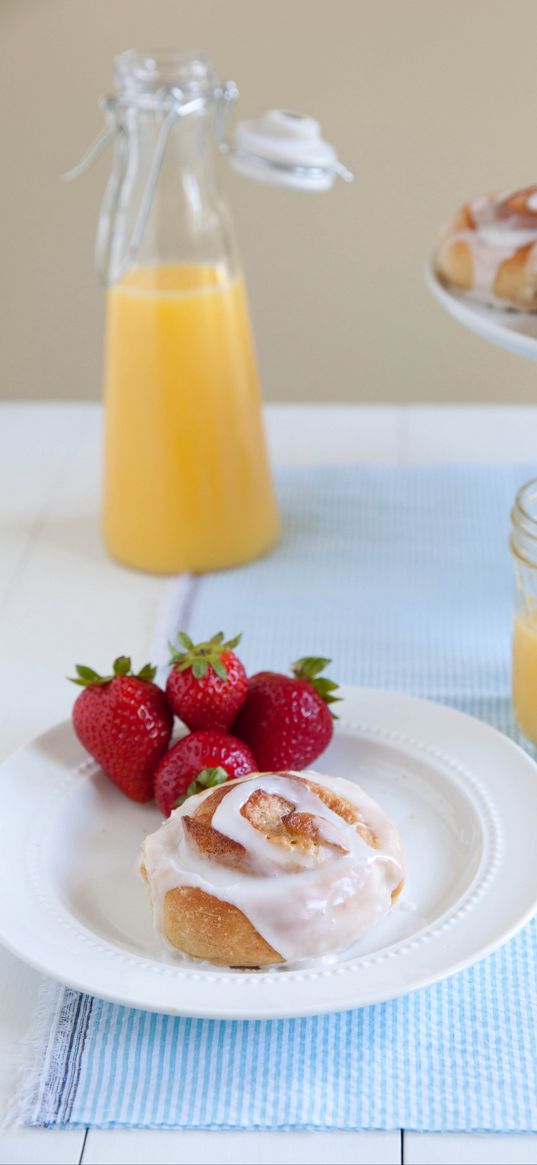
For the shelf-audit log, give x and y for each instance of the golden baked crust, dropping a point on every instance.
(455, 265)
(515, 282)
(207, 928)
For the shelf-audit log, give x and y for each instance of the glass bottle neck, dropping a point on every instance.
(162, 204)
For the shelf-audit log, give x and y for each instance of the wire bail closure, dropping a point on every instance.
(169, 103)
(169, 100)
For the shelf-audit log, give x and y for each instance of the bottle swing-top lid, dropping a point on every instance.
(283, 148)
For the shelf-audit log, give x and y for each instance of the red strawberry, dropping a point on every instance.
(124, 722)
(197, 761)
(207, 684)
(285, 720)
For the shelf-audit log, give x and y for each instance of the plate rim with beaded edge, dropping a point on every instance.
(462, 794)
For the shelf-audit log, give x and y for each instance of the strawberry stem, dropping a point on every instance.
(309, 669)
(86, 677)
(202, 656)
(204, 780)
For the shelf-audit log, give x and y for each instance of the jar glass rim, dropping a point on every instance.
(523, 540)
(523, 513)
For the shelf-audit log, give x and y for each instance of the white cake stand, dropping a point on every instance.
(516, 331)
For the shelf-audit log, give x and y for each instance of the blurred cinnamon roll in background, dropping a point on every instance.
(272, 868)
(489, 250)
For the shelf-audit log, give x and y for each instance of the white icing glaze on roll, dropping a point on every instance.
(304, 903)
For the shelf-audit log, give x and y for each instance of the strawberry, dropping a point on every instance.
(285, 720)
(207, 684)
(124, 722)
(197, 761)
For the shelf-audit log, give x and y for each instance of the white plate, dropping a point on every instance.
(514, 330)
(463, 796)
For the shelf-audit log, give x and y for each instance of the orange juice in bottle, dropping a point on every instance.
(187, 484)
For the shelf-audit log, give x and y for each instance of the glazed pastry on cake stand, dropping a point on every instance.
(484, 270)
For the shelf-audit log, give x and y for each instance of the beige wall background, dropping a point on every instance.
(428, 101)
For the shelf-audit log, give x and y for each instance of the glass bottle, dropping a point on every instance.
(186, 478)
(187, 483)
(523, 544)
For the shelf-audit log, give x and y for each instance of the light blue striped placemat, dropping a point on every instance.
(403, 577)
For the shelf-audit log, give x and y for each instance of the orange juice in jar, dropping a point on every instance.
(524, 548)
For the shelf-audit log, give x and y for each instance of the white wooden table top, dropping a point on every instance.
(61, 598)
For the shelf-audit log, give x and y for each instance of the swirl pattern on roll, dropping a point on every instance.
(273, 868)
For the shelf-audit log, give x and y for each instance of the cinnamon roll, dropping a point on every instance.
(272, 868)
(489, 250)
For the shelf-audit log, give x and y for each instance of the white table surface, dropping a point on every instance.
(61, 598)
